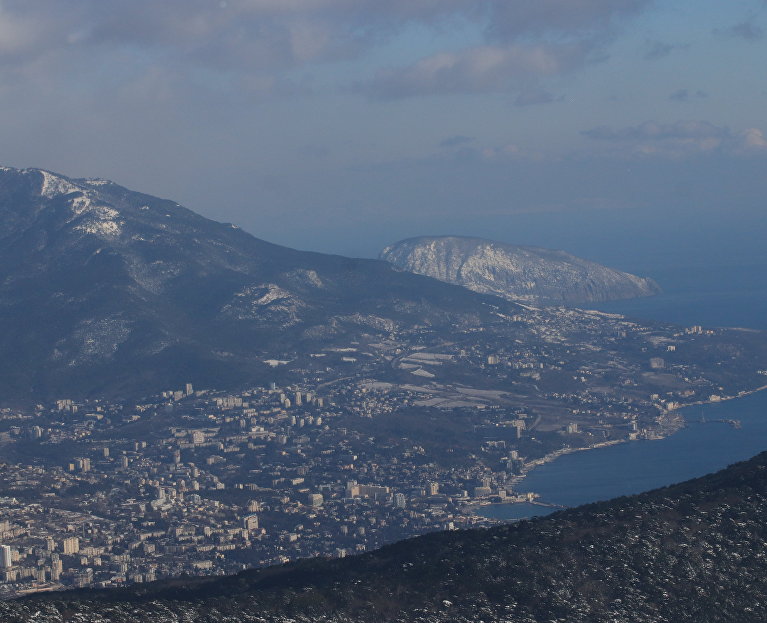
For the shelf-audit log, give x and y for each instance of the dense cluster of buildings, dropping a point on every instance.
(373, 443)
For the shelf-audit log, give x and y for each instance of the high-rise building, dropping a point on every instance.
(71, 545)
(188, 389)
(250, 522)
(6, 557)
(57, 568)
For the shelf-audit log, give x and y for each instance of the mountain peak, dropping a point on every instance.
(138, 283)
(49, 184)
(54, 185)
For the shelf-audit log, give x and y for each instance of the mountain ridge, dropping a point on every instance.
(119, 291)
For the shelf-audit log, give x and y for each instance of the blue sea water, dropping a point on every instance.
(713, 296)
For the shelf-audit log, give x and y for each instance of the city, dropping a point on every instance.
(370, 444)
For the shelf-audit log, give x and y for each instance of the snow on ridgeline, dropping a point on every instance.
(95, 217)
(54, 185)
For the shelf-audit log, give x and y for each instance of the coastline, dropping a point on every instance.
(710, 401)
(553, 456)
(676, 421)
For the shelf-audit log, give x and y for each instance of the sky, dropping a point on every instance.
(616, 129)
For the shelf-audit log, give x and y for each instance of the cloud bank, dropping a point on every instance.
(237, 38)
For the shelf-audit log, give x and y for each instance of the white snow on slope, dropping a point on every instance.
(54, 185)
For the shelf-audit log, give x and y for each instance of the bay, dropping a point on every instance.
(716, 296)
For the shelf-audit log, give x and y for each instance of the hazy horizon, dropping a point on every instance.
(344, 126)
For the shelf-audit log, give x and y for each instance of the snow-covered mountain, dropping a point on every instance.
(524, 274)
(103, 289)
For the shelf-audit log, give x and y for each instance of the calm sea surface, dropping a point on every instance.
(735, 296)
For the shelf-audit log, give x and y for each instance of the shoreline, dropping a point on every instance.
(681, 423)
(709, 401)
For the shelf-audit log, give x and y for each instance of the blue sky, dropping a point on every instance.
(342, 125)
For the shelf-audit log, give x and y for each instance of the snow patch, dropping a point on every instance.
(265, 303)
(99, 339)
(53, 185)
(100, 220)
(106, 229)
(304, 277)
(80, 204)
(422, 373)
(370, 320)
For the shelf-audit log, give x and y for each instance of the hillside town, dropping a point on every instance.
(374, 442)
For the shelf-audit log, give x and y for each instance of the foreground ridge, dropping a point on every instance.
(695, 551)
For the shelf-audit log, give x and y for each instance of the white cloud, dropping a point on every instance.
(527, 41)
(479, 69)
(270, 36)
(750, 141)
(680, 139)
(18, 34)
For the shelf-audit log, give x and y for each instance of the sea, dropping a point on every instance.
(713, 296)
